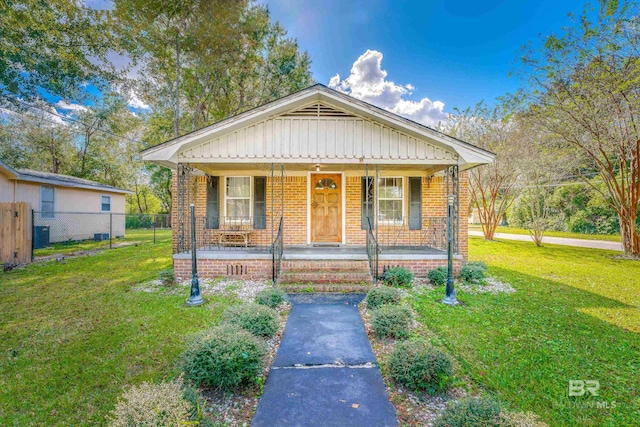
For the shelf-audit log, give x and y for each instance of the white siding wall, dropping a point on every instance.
(317, 138)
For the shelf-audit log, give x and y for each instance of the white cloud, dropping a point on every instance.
(136, 102)
(368, 82)
(64, 105)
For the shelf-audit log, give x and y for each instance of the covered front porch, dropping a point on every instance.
(386, 215)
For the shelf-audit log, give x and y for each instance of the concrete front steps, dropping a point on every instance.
(325, 276)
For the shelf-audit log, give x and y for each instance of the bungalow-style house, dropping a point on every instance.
(317, 187)
(65, 208)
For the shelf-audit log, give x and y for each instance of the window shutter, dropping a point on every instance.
(260, 202)
(367, 206)
(415, 203)
(213, 202)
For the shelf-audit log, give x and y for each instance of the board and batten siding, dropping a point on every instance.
(311, 138)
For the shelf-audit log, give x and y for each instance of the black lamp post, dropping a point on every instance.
(194, 298)
(450, 296)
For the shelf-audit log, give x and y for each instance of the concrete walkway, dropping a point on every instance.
(582, 243)
(325, 372)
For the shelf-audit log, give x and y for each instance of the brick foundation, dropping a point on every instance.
(213, 268)
(261, 268)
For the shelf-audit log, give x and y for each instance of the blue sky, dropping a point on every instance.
(455, 52)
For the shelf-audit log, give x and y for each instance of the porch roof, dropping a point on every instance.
(318, 125)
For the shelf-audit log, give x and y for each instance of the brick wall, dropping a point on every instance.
(212, 268)
(295, 209)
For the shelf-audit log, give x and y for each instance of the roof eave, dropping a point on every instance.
(61, 183)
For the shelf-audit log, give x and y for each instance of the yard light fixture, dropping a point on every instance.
(450, 292)
(317, 168)
(195, 298)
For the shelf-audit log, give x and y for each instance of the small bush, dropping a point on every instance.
(224, 357)
(520, 419)
(259, 320)
(392, 321)
(152, 405)
(271, 297)
(477, 412)
(472, 272)
(419, 366)
(167, 278)
(398, 276)
(377, 297)
(438, 276)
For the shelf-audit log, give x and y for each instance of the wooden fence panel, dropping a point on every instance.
(15, 233)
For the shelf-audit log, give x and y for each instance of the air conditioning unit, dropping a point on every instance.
(42, 236)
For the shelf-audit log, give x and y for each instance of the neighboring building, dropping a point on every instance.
(334, 181)
(72, 208)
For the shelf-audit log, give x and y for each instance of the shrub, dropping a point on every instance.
(167, 278)
(258, 319)
(392, 321)
(520, 419)
(438, 276)
(271, 297)
(224, 357)
(474, 411)
(472, 272)
(377, 297)
(398, 276)
(420, 366)
(151, 405)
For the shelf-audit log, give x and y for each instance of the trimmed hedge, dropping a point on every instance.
(474, 411)
(224, 357)
(438, 276)
(379, 296)
(271, 297)
(392, 321)
(420, 366)
(472, 272)
(152, 405)
(398, 276)
(258, 319)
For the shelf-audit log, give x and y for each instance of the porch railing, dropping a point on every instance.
(373, 250)
(396, 234)
(277, 248)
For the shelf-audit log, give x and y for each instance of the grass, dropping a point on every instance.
(131, 235)
(567, 234)
(575, 316)
(73, 333)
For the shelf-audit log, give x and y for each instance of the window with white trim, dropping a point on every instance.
(105, 203)
(47, 201)
(390, 200)
(237, 197)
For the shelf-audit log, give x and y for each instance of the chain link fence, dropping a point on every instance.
(66, 233)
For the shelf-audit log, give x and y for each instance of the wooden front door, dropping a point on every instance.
(326, 208)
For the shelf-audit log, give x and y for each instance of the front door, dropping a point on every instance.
(326, 208)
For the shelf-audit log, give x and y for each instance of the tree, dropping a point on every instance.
(540, 171)
(493, 186)
(202, 61)
(583, 89)
(55, 45)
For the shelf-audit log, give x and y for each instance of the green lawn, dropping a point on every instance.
(73, 333)
(575, 316)
(131, 235)
(514, 230)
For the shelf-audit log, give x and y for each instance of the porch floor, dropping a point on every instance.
(311, 252)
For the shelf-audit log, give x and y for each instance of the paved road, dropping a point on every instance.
(325, 372)
(594, 244)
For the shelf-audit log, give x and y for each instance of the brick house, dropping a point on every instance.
(317, 187)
